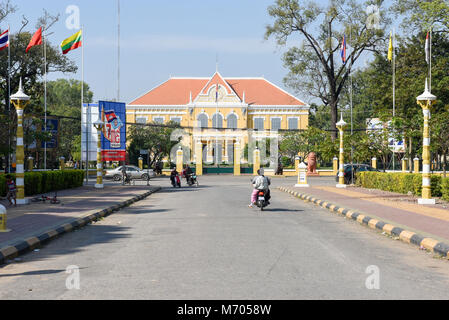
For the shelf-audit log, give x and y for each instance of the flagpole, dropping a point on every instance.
(394, 100)
(9, 100)
(45, 96)
(118, 52)
(430, 61)
(82, 104)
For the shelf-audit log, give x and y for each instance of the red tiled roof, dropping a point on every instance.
(176, 91)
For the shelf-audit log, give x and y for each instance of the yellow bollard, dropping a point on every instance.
(30, 163)
(302, 176)
(416, 165)
(179, 160)
(297, 162)
(140, 163)
(374, 162)
(256, 161)
(404, 164)
(61, 163)
(335, 165)
(199, 158)
(237, 159)
(3, 219)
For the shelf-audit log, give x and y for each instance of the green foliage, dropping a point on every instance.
(400, 182)
(47, 181)
(445, 188)
(315, 68)
(155, 139)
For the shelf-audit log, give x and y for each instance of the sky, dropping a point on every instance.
(160, 39)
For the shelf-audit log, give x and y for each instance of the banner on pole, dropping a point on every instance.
(113, 138)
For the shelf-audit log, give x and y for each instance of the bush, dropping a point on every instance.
(286, 162)
(47, 181)
(445, 188)
(401, 183)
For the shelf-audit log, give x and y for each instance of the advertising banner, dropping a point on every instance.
(113, 138)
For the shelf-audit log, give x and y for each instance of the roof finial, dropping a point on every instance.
(216, 62)
(243, 97)
(190, 96)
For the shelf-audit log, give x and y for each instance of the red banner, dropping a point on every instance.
(113, 155)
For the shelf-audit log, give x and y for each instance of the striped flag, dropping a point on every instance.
(4, 40)
(343, 49)
(72, 43)
(428, 48)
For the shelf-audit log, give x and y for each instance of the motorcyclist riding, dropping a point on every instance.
(188, 173)
(260, 183)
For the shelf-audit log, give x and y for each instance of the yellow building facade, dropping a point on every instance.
(217, 112)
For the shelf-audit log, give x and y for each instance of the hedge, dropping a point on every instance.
(403, 183)
(46, 181)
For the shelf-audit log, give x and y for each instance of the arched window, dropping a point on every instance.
(217, 121)
(203, 120)
(232, 121)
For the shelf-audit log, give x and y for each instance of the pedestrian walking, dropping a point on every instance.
(11, 190)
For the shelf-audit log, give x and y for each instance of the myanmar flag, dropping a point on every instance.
(72, 42)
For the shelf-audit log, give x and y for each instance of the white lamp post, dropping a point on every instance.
(426, 100)
(341, 178)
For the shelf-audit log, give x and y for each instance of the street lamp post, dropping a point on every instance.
(426, 100)
(20, 100)
(99, 126)
(341, 127)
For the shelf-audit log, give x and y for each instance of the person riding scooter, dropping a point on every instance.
(260, 183)
(174, 178)
(188, 174)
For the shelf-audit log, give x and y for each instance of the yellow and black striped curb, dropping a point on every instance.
(29, 244)
(404, 235)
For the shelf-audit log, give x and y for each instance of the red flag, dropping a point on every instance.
(35, 40)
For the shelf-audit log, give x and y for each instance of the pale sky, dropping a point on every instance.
(160, 39)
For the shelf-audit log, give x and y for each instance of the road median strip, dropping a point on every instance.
(406, 236)
(29, 244)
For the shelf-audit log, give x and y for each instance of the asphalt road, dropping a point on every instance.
(205, 243)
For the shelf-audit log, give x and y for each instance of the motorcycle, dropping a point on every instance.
(261, 201)
(192, 179)
(175, 181)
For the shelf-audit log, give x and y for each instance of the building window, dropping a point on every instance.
(232, 121)
(275, 124)
(159, 120)
(176, 119)
(203, 120)
(258, 123)
(217, 121)
(293, 124)
(141, 120)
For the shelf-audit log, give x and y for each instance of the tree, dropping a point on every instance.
(424, 14)
(64, 101)
(154, 138)
(313, 68)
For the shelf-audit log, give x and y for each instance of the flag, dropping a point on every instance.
(72, 42)
(428, 48)
(390, 48)
(36, 40)
(4, 40)
(343, 49)
(110, 116)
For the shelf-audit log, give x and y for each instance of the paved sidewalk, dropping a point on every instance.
(37, 217)
(396, 209)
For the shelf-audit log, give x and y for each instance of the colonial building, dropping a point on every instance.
(218, 112)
